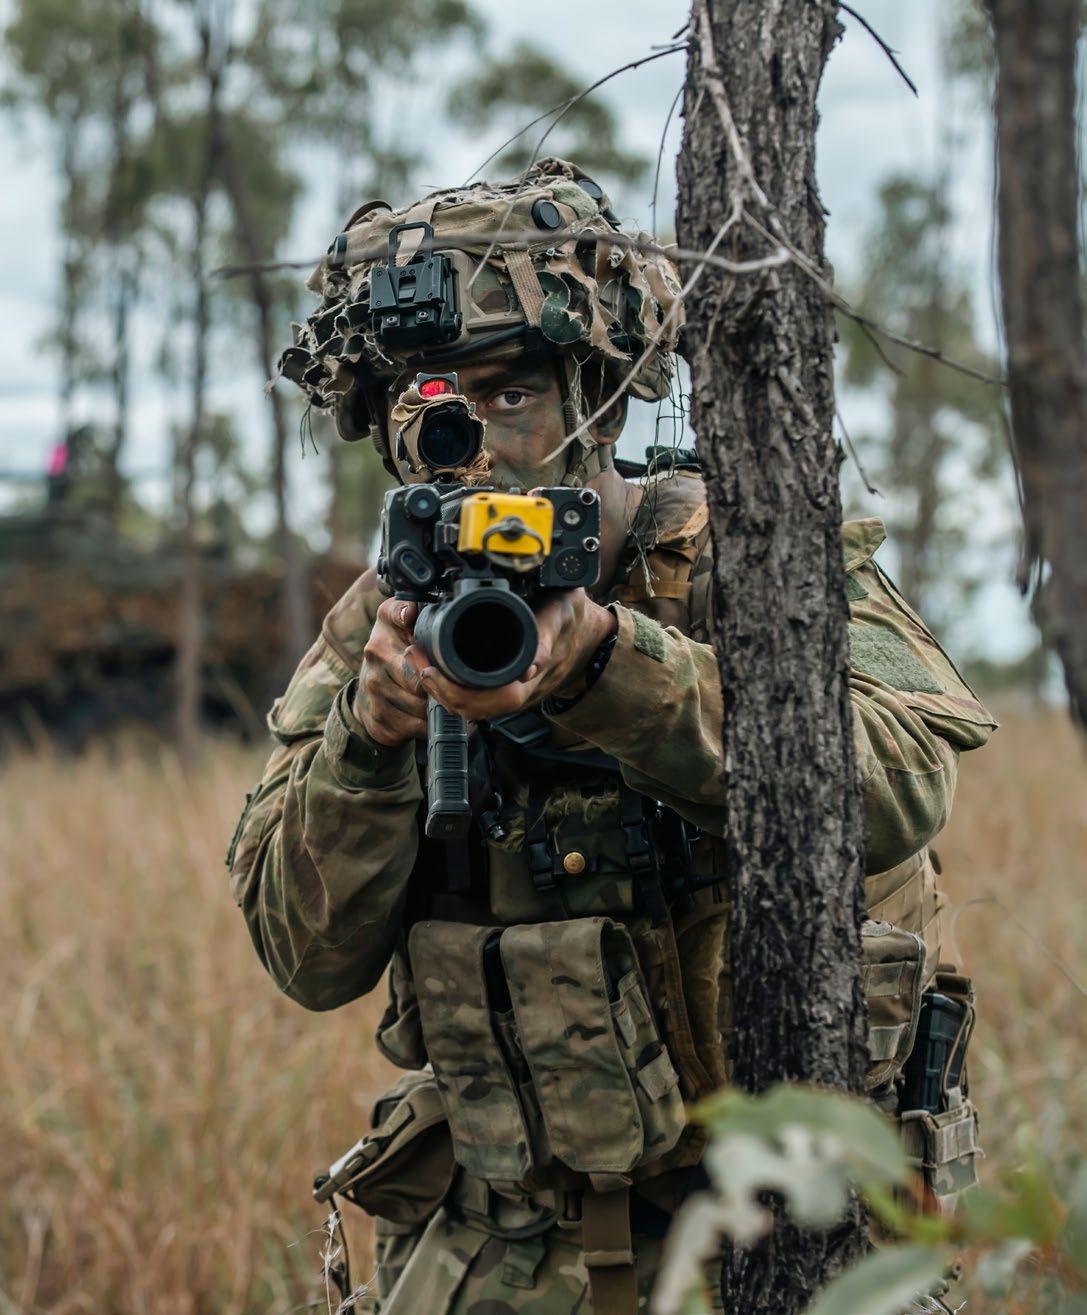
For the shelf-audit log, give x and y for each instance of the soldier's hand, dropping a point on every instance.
(390, 702)
(571, 628)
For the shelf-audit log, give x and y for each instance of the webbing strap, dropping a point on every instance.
(609, 1252)
(695, 523)
(525, 283)
(412, 240)
(641, 591)
(883, 1042)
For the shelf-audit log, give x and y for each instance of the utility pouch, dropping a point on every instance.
(402, 1169)
(893, 978)
(477, 1087)
(399, 1035)
(938, 1121)
(608, 1093)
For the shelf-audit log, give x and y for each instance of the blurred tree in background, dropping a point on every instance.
(511, 90)
(937, 447)
(187, 135)
(943, 445)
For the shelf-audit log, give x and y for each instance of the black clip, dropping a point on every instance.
(337, 251)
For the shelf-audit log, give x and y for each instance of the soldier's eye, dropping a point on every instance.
(511, 400)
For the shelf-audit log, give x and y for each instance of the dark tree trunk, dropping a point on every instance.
(190, 621)
(72, 266)
(1043, 306)
(760, 353)
(119, 223)
(124, 294)
(190, 638)
(296, 600)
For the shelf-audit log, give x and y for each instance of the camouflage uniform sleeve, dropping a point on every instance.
(913, 712)
(321, 858)
(657, 708)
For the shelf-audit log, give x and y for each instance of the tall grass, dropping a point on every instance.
(163, 1109)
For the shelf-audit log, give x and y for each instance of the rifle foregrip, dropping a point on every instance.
(449, 812)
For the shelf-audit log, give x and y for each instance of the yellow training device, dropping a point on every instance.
(511, 524)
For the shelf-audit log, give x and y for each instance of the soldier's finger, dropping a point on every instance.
(551, 620)
(403, 677)
(398, 614)
(415, 661)
(449, 694)
(473, 704)
(411, 705)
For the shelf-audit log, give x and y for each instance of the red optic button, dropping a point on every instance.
(435, 388)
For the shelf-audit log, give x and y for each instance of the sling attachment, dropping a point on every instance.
(544, 864)
(609, 1251)
(642, 857)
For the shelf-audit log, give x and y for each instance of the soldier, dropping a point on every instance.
(559, 985)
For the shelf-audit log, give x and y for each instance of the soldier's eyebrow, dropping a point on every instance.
(515, 373)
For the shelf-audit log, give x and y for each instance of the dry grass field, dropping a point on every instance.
(162, 1109)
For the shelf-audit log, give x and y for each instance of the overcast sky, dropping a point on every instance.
(871, 126)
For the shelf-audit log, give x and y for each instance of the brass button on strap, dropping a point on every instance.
(574, 863)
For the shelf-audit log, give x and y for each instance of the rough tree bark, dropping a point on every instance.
(1043, 310)
(759, 346)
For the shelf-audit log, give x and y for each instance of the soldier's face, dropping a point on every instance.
(522, 405)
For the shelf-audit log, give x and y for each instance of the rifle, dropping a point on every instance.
(475, 559)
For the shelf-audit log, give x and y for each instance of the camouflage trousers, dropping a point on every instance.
(455, 1267)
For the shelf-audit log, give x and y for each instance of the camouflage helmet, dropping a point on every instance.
(482, 272)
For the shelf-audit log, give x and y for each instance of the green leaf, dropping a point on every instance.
(883, 1283)
(901, 1221)
(873, 1150)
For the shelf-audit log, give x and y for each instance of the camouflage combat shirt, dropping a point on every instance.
(323, 853)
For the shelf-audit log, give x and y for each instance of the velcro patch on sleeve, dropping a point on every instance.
(648, 637)
(883, 654)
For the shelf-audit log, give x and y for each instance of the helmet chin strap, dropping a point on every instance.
(586, 458)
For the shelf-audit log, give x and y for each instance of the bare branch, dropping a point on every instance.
(472, 241)
(715, 82)
(854, 454)
(660, 157)
(564, 106)
(803, 263)
(891, 54)
(707, 259)
(574, 100)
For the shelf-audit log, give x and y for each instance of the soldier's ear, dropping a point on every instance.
(607, 429)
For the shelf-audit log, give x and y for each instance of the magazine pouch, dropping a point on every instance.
(938, 1120)
(607, 1090)
(477, 1088)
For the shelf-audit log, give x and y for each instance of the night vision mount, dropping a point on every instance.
(414, 305)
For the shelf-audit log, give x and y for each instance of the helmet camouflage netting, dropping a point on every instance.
(551, 282)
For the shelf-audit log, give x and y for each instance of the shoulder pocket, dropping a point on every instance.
(892, 645)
